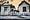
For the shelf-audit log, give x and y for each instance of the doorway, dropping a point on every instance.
(24, 9)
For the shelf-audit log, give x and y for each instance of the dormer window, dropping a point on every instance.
(24, 9)
(5, 8)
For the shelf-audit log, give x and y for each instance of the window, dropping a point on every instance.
(5, 8)
(24, 9)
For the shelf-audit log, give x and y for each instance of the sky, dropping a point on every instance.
(16, 2)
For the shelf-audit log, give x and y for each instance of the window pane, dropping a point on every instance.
(5, 8)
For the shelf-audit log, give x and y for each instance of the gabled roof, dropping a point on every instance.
(23, 2)
(4, 3)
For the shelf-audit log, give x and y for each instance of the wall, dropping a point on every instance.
(6, 12)
(24, 5)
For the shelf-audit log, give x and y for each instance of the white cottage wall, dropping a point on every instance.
(24, 5)
(6, 12)
(2, 10)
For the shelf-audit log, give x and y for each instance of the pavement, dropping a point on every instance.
(14, 17)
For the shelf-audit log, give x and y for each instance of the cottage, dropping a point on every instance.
(24, 7)
(6, 9)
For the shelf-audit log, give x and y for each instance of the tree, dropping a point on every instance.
(28, 0)
(11, 6)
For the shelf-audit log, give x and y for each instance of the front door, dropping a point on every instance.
(24, 9)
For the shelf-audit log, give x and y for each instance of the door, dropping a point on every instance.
(5, 9)
(24, 9)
